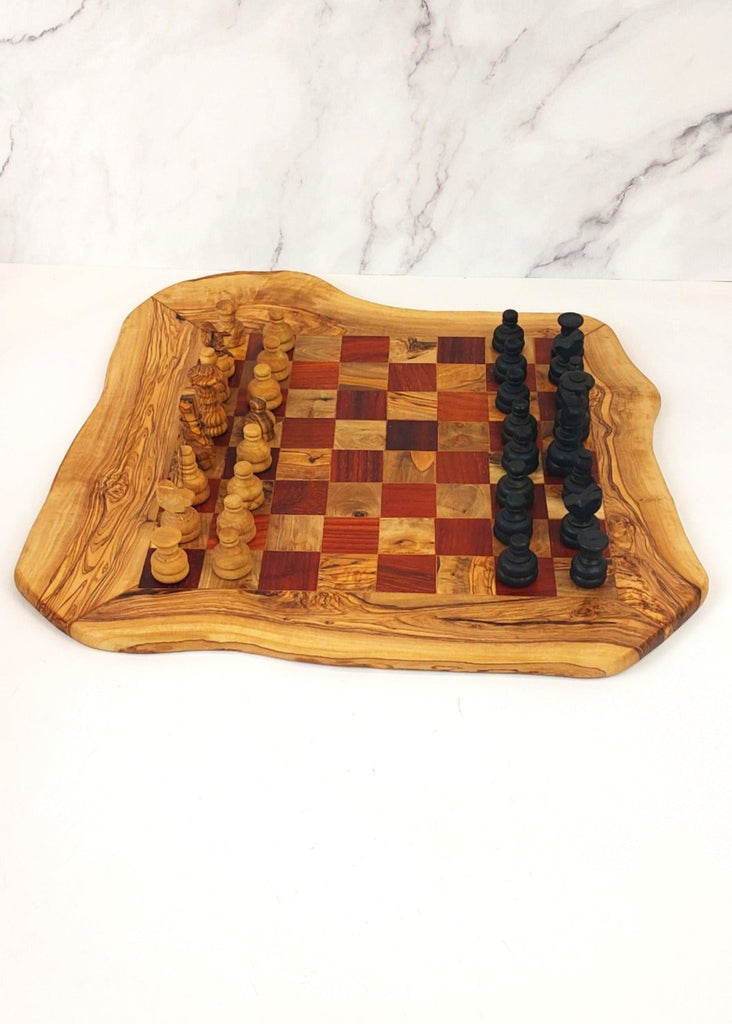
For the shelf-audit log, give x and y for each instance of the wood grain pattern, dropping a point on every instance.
(83, 557)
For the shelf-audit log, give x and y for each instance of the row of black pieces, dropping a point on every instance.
(517, 565)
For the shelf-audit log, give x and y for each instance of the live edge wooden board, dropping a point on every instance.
(374, 546)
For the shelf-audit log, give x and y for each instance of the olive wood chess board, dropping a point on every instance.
(375, 545)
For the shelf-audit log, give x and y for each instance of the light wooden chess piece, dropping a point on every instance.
(193, 430)
(177, 511)
(253, 448)
(231, 559)
(224, 359)
(263, 385)
(210, 357)
(248, 486)
(191, 476)
(234, 336)
(168, 563)
(274, 357)
(260, 414)
(280, 329)
(206, 381)
(236, 516)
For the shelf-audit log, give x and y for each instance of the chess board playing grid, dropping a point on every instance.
(385, 462)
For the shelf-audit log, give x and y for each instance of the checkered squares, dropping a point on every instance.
(385, 463)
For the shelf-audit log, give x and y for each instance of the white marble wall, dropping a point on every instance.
(566, 138)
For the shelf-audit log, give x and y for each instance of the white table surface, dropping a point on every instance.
(223, 837)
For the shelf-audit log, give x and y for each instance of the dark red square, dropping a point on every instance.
(462, 406)
(361, 405)
(223, 439)
(258, 540)
(548, 405)
(357, 466)
(412, 377)
(558, 549)
(307, 433)
(254, 346)
(494, 432)
(461, 350)
(411, 435)
(406, 574)
(242, 398)
(364, 349)
(350, 535)
(314, 375)
(299, 497)
(543, 349)
(195, 563)
(545, 584)
(415, 501)
(463, 467)
(289, 570)
(209, 505)
(464, 536)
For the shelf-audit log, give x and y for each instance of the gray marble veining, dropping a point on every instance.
(591, 138)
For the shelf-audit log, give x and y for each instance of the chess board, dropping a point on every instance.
(374, 544)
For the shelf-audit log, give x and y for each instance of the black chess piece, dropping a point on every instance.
(589, 566)
(567, 349)
(512, 355)
(517, 566)
(516, 480)
(511, 388)
(509, 327)
(580, 476)
(519, 416)
(568, 323)
(573, 402)
(580, 517)
(513, 518)
(521, 446)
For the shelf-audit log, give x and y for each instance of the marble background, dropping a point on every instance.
(589, 138)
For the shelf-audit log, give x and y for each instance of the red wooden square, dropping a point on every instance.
(558, 549)
(303, 497)
(545, 585)
(351, 466)
(416, 501)
(361, 405)
(364, 349)
(254, 346)
(464, 536)
(350, 535)
(412, 377)
(463, 467)
(309, 432)
(461, 350)
(543, 349)
(411, 435)
(258, 540)
(463, 406)
(209, 505)
(314, 375)
(289, 570)
(548, 405)
(406, 574)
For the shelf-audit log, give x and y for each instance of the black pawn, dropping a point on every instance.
(511, 356)
(517, 566)
(509, 327)
(519, 416)
(580, 517)
(515, 480)
(521, 446)
(513, 387)
(589, 566)
(580, 475)
(513, 518)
